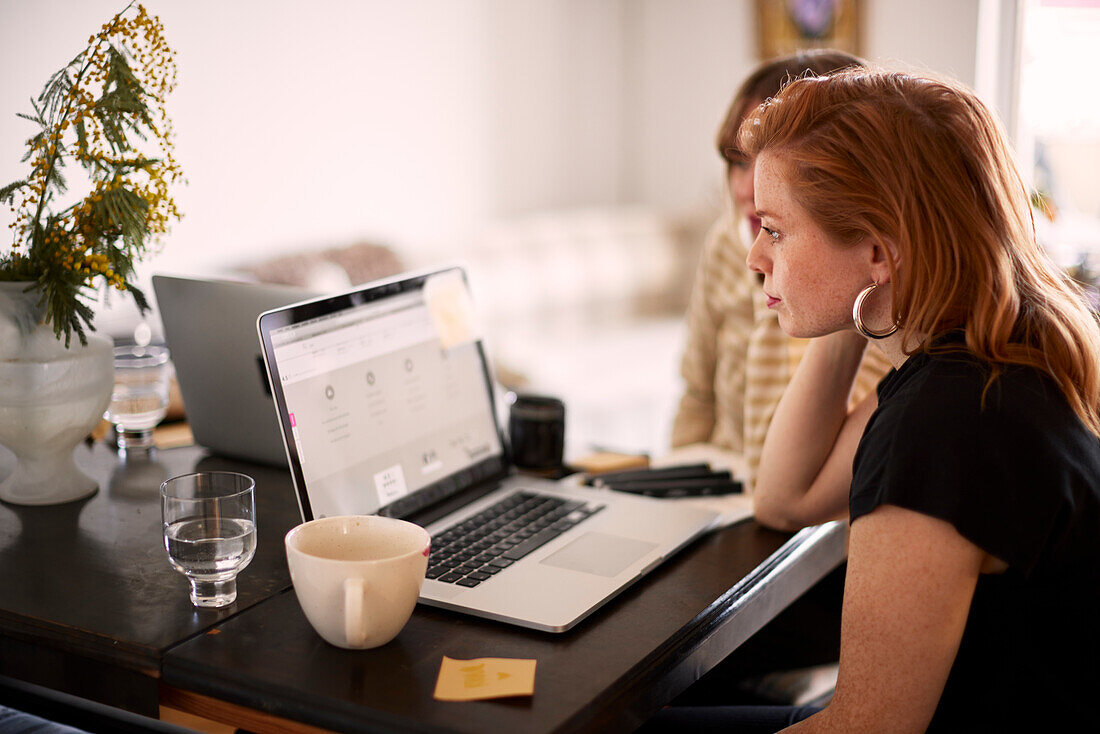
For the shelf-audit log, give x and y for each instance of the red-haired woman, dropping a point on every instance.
(737, 361)
(891, 211)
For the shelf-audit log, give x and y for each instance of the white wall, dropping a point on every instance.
(297, 123)
(684, 62)
(939, 35)
(309, 124)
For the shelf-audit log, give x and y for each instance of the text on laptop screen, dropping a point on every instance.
(378, 408)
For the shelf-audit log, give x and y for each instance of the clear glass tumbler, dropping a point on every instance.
(210, 531)
(140, 398)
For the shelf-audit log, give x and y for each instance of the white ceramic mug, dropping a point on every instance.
(357, 577)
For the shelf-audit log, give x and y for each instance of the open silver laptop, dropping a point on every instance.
(210, 330)
(384, 397)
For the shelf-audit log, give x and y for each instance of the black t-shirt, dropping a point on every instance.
(1017, 473)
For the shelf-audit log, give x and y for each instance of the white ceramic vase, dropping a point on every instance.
(51, 397)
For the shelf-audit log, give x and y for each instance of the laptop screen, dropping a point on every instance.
(379, 415)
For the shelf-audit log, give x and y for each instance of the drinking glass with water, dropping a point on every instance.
(210, 531)
(140, 397)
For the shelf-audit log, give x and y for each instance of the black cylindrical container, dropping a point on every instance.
(536, 429)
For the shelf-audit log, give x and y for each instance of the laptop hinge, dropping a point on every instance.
(428, 515)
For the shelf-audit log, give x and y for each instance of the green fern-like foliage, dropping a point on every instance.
(103, 111)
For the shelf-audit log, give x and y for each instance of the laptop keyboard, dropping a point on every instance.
(476, 549)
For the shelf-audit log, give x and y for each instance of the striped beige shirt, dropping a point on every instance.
(737, 361)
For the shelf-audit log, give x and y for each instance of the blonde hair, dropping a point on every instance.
(921, 163)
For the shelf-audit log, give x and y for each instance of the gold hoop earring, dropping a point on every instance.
(857, 316)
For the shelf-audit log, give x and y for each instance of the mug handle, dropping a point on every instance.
(355, 626)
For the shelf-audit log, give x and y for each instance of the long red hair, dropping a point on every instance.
(922, 163)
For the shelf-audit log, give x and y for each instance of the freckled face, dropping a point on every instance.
(810, 280)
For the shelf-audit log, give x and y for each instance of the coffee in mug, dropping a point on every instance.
(357, 577)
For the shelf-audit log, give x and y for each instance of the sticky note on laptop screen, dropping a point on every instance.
(451, 308)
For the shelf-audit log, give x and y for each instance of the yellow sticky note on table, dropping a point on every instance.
(480, 678)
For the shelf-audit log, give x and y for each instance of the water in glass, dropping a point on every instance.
(210, 532)
(210, 547)
(140, 397)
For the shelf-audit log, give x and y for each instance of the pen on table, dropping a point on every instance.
(693, 483)
(684, 471)
(680, 488)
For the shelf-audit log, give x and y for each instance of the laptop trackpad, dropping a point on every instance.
(600, 554)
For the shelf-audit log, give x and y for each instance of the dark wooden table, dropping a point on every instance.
(88, 601)
(610, 673)
(90, 607)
